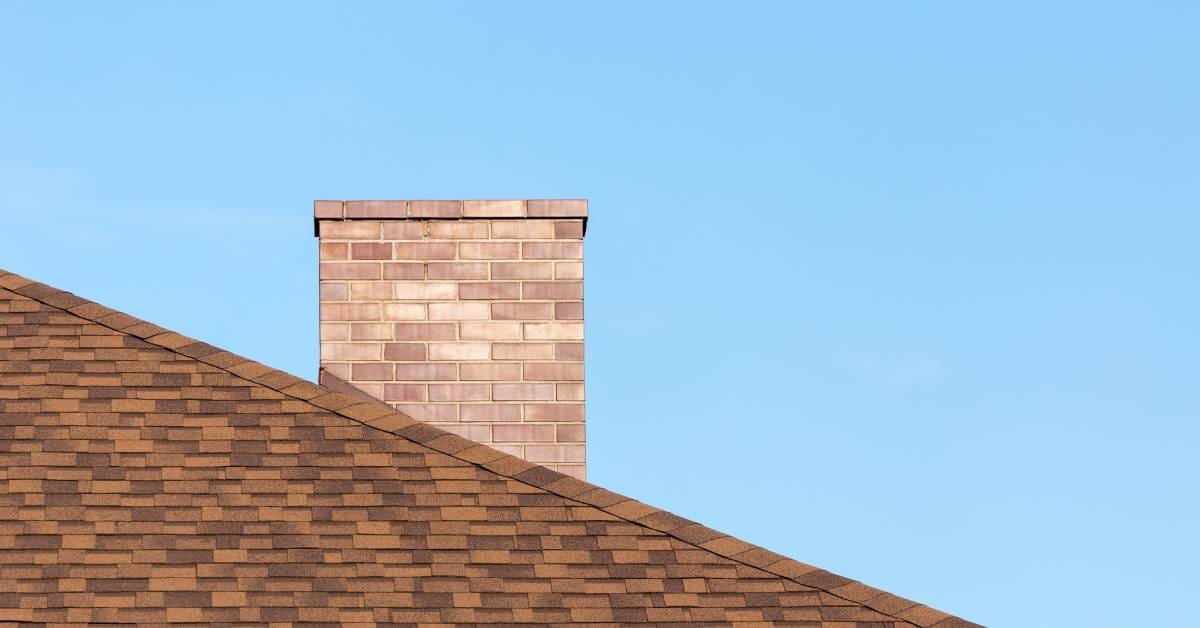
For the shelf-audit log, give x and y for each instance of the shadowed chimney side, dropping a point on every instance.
(464, 314)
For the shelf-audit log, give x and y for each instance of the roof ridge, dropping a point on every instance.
(377, 414)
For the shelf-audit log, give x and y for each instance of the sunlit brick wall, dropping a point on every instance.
(464, 314)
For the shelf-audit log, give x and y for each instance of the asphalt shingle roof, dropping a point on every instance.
(147, 477)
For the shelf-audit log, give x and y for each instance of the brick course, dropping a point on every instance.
(464, 314)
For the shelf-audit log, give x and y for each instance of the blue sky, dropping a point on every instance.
(904, 291)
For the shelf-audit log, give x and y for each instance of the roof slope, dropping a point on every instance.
(148, 477)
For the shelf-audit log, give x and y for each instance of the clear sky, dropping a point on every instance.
(906, 291)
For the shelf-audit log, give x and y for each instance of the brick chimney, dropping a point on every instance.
(464, 314)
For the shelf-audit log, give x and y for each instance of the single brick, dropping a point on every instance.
(554, 453)
(522, 270)
(502, 433)
(477, 433)
(335, 331)
(404, 392)
(371, 250)
(370, 331)
(493, 209)
(334, 250)
(568, 270)
(522, 351)
(459, 392)
(459, 350)
(350, 270)
(553, 331)
(568, 229)
(489, 371)
(569, 392)
(522, 230)
(350, 311)
(403, 270)
(350, 229)
(573, 433)
(371, 290)
(518, 311)
(403, 311)
(459, 311)
(334, 291)
(429, 411)
(371, 371)
(458, 270)
(552, 250)
(568, 351)
(425, 290)
(552, 290)
(490, 412)
(435, 209)
(557, 208)
(327, 209)
(426, 371)
(424, 250)
(350, 351)
(460, 230)
(490, 290)
(489, 331)
(488, 250)
(426, 331)
(404, 351)
(403, 230)
(569, 311)
(553, 371)
(375, 209)
(553, 412)
(523, 392)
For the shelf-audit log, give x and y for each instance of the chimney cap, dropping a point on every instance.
(449, 210)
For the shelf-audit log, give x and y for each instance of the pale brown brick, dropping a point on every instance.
(350, 311)
(350, 270)
(556, 208)
(403, 270)
(554, 371)
(458, 270)
(522, 270)
(569, 311)
(489, 250)
(518, 311)
(568, 351)
(569, 392)
(558, 290)
(350, 229)
(554, 453)
(489, 290)
(460, 311)
(475, 432)
(404, 392)
(426, 371)
(371, 290)
(435, 209)
(490, 331)
(522, 230)
(553, 331)
(459, 350)
(568, 229)
(554, 412)
(425, 290)
(429, 411)
(459, 230)
(552, 250)
(404, 351)
(335, 331)
(459, 392)
(375, 209)
(371, 331)
(403, 230)
(426, 331)
(424, 250)
(522, 433)
(568, 270)
(334, 250)
(569, 433)
(350, 351)
(489, 371)
(372, 371)
(490, 412)
(334, 291)
(403, 311)
(327, 209)
(493, 209)
(522, 351)
(371, 250)
(522, 392)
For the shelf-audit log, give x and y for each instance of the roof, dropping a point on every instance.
(149, 477)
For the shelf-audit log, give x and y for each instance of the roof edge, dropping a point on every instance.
(376, 414)
(490, 209)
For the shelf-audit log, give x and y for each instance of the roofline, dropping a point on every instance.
(379, 415)
(471, 209)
